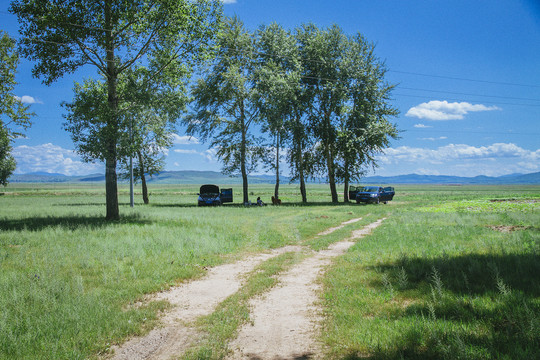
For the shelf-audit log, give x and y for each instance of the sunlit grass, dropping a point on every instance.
(439, 285)
(425, 284)
(67, 274)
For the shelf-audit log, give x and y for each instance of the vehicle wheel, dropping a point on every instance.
(385, 202)
(377, 201)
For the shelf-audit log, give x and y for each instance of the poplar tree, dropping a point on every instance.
(115, 36)
(14, 115)
(225, 104)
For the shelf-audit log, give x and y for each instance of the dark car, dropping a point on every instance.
(353, 191)
(375, 194)
(209, 195)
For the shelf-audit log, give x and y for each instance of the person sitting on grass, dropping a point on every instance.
(259, 201)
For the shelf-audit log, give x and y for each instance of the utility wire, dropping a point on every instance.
(467, 94)
(462, 100)
(261, 53)
(463, 79)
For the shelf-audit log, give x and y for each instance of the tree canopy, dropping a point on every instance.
(225, 103)
(159, 37)
(14, 115)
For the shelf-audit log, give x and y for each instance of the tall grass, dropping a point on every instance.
(67, 275)
(432, 285)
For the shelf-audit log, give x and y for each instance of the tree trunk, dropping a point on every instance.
(346, 190)
(298, 133)
(111, 188)
(276, 189)
(243, 156)
(143, 179)
(331, 175)
(300, 166)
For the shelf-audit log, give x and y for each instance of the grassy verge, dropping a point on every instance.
(66, 274)
(441, 283)
(222, 326)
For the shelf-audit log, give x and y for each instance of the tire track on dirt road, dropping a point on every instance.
(190, 301)
(285, 321)
(176, 332)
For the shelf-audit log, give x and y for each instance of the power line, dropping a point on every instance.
(255, 52)
(462, 100)
(463, 79)
(472, 132)
(467, 94)
(394, 71)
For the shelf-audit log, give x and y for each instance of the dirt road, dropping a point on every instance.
(284, 321)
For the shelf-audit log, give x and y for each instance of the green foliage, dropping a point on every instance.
(160, 39)
(14, 115)
(225, 103)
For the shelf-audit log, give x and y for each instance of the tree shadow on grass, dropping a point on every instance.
(93, 204)
(495, 294)
(471, 274)
(253, 205)
(67, 222)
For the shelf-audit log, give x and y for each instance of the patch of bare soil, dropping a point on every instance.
(285, 321)
(190, 300)
(507, 228)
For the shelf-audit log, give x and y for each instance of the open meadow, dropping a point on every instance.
(453, 272)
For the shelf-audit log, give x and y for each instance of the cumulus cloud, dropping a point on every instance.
(184, 140)
(435, 139)
(53, 159)
(443, 110)
(182, 151)
(422, 126)
(210, 154)
(26, 99)
(465, 160)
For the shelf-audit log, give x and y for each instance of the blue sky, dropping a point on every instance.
(468, 93)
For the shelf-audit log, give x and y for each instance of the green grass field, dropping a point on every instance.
(450, 274)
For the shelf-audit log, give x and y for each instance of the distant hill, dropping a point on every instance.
(533, 178)
(213, 177)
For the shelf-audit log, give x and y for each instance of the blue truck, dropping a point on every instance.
(375, 194)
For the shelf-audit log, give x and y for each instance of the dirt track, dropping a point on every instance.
(284, 321)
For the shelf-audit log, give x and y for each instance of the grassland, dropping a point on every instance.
(440, 278)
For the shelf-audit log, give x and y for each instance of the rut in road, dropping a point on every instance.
(201, 297)
(190, 301)
(285, 321)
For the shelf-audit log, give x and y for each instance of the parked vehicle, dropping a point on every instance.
(375, 194)
(209, 195)
(353, 191)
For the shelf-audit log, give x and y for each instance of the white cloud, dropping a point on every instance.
(184, 140)
(228, 1)
(422, 126)
(443, 110)
(434, 139)
(463, 160)
(182, 151)
(27, 99)
(53, 159)
(210, 154)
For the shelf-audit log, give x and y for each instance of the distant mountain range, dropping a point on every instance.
(205, 177)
